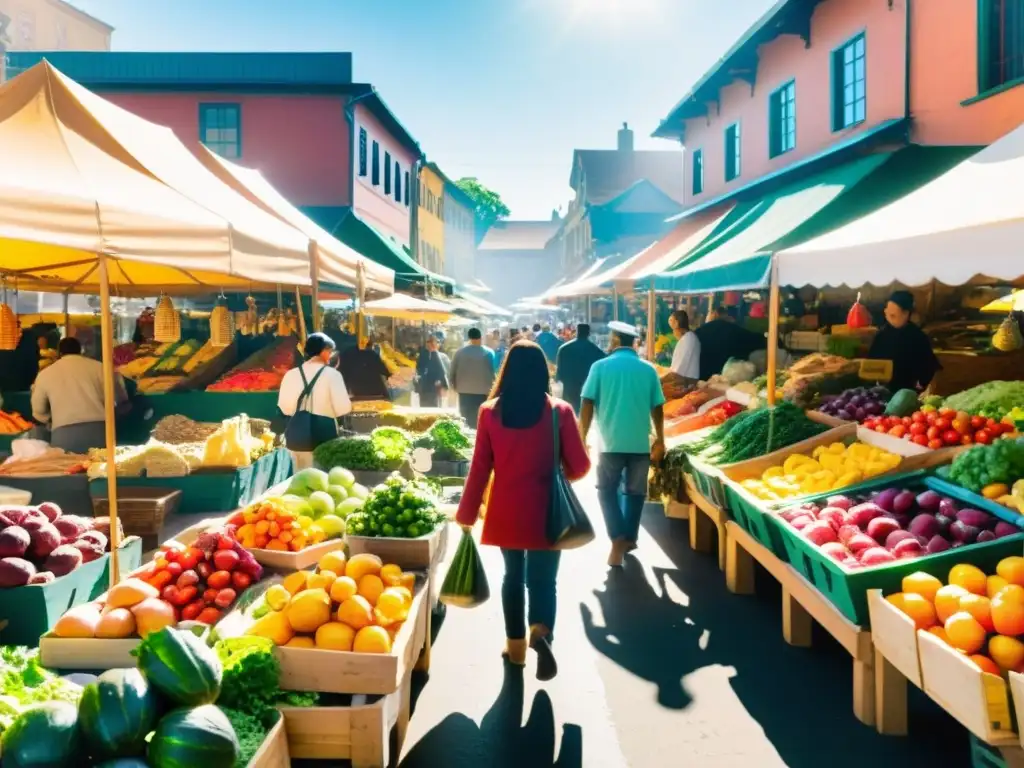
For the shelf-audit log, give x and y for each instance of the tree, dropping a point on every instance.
(489, 205)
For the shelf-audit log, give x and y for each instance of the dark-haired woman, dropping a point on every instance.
(515, 442)
(903, 342)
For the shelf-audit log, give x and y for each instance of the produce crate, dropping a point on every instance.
(941, 485)
(296, 561)
(894, 635)
(752, 517)
(424, 553)
(707, 479)
(847, 589)
(986, 756)
(141, 511)
(27, 613)
(274, 752)
(357, 728)
(448, 469)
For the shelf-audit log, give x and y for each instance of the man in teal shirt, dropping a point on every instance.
(624, 392)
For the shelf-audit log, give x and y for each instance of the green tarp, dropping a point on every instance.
(738, 256)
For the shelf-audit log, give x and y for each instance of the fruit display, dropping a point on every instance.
(713, 417)
(993, 399)
(280, 526)
(356, 604)
(145, 356)
(398, 508)
(1009, 497)
(857, 404)
(988, 469)
(412, 421)
(40, 544)
(24, 683)
(828, 468)
(751, 434)
(448, 440)
(817, 375)
(685, 404)
(13, 423)
(172, 361)
(979, 614)
(940, 428)
(384, 449)
(372, 406)
(182, 584)
(895, 523)
(395, 356)
(51, 462)
(260, 372)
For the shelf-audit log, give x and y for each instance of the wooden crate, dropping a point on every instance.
(1017, 694)
(360, 732)
(420, 553)
(274, 752)
(80, 653)
(978, 700)
(894, 636)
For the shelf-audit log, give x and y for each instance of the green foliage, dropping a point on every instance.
(1001, 462)
(489, 205)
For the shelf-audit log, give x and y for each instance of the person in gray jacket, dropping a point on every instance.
(472, 375)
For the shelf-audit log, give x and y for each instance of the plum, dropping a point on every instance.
(51, 510)
(1005, 529)
(839, 502)
(845, 415)
(820, 532)
(876, 556)
(974, 518)
(944, 522)
(936, 544)
(63, 560)
(881, 527)
(887, 499)
(15, 572)
(908, 548)
(862, 514)
(45, 539)
(833, 516)
(903, 503)
(963, 533)
(14, 541)
(985, 536)
(896, 537)
(948, 507)
(847, 532)
(801, 521)
(860, 542)
(929, 501)
(835, 550)
(924, 525)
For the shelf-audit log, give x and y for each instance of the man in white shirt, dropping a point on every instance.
(67, 396)
(327, 396)
(686, 355)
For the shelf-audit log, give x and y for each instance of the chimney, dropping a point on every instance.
(625, 138)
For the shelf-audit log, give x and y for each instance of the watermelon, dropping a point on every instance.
(45, 736)
(116, 713)
(200, 737)
(180, 666)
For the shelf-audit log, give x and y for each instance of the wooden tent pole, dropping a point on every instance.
(107, 346)
(773, 329)
(314, 274)
(652, 311)
(302, 316)
(360, 298)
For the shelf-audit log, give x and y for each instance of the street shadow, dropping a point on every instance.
(501, 740)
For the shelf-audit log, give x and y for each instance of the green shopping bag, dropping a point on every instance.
(466, 584)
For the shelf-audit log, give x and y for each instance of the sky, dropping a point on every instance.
(503, 90)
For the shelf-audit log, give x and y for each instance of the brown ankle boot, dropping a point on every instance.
(515, 651)
(540, 641)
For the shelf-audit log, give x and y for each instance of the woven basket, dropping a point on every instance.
(167, 324)
(222, 330)
(10, 331)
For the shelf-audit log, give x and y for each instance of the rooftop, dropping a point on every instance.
(519, 235)
(87, 17)
(610, 172)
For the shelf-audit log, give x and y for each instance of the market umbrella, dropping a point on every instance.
(404, 307)
(1012, 302)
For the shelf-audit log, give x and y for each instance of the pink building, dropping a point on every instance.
(331, 146)
(813, 83)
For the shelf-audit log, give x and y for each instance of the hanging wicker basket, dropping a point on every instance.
(167, 324)
(222, 326)
(10, 331)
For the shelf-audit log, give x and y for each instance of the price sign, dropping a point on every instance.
(876, 370)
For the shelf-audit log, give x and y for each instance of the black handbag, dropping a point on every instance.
(305, 430)
(568, 526)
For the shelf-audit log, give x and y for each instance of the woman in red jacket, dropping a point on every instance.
(514, 440)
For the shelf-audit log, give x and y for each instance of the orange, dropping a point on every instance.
(995, 584)
(986, 664)
(969, 577)
(343, 588)
(919, 609)
(295, 582)
(335, 636)
(1007, 614)
(372, 640)
(362, 564)
(1007, 652)
(1012, 569)
(897, 600)
(300, 641)
(322, 579)
(1012, 592)
(980, 608)
(947, 601)
(939, 632)
(391, 606)
(333, 561)
(391, 575)
(964, 632)
(370, 587)
(356, 612)
(923, 584)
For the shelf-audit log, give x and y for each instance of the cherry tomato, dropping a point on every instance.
(218, 579)
(193, 609)
(947, 412)
(906, 421)
(917, 428)
(881, 428)
(931, 418)
(934, 433)
(951, 437)
(943, 423)
(225, 598)
(174, 569)
(169, 593)
(983, 436)
(209, 615)
(225, 543)
(966, 440)
(898, 431)
(185, 596)
(210, 595)
(990, 424)
(225, 559)
(977, 422)
(919, 417)
(240, 580)
(187, 579)
(921, 440)
(935, 444)
(204, 569)
(190, 559)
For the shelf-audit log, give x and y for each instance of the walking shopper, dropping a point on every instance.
(515, 442)
(472, 375)
(625, 394)
(318, 389)
(549, 343)
(431, 376)
(686, 355)
(573, 363)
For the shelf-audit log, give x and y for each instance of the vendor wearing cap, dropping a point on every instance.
(624, 393)
(903, 342)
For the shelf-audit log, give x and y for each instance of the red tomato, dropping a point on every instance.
(935, 444)
(966, 440)
(190, 559)
(870, 422)
(240, 580)
(218, 579)
(921, 440)
(931, 417)
(225, 542)
(898, 431)
(934, 433)
(951, 437)
(225, 598)
(174, 569)
(171, 555)
(187, 579)
(185, 596)
(169, 593)
(943, 423)
(204, 569)
(225, 559)
(946, 412)
(906, 421)
(209, 615)
(193, 609)
(881, 428)
(990, 424)
(977, 422)
(210, 595)
(983, 436)
(919, 417)
(917, 428)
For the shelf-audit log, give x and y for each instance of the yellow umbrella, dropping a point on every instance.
(1012, 302)
(404, 307)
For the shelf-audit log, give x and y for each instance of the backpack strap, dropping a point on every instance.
(307, 390)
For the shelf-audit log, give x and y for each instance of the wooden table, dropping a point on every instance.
(706, 518)
(802, 603)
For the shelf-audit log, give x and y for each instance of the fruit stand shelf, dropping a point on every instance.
(705, 518)
(801, 603)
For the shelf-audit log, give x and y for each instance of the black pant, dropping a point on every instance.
(469, 407)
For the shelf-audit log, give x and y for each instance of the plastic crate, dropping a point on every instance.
(941, 485)
(754, 520)
(847, 589)
(709, 483)
(984, 755)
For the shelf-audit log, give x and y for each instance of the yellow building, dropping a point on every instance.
(50, 25)
(430, 218)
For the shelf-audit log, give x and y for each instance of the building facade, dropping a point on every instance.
(459, 234)
(330, 145)
(430, 230)
(50, 25)
(812, 78)
(518, 259)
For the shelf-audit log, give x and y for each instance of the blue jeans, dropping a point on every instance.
(529, 571)
(628, 470)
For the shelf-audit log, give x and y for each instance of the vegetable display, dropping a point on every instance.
(385, 448)
(939, 428)
(399, 508)
(13, 423)
(993, 399)
(25, 684)
(829, 468)
(180, 666)
(687, 404)
(892, 524)
(857, 404)
(1001, 463)
(447, 440)
(117, 713)
(755, 433)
